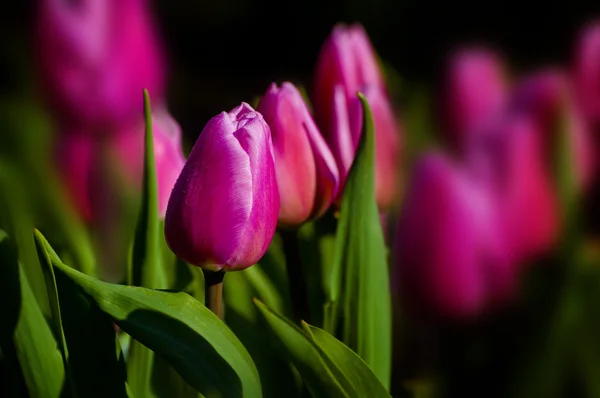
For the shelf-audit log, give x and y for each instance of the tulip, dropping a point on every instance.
(475, 92)
(224, 207)
(306, 171)
(586, 71)
(347, 64)
(168, 155)
(547, 98)
(451, 256)
(75, 157)
(521, 178)
(95, 58)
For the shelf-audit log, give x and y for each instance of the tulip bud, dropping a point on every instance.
(168, 155)
(96, 57)
(546, 97)
(521, 178)
(75, 157)
(475, 92)
(223, 210)
(348, 64)
(307, 175)
(450, 249)
(587, 71)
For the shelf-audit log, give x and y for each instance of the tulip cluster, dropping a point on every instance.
(472, 219)
(97, 57)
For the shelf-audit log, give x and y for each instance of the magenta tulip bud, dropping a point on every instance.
(168, 155)
(348, 64)
(452, 259)
(223, 210)
(307, 174)
(75, 157)
(587, 70)
(476, 92)
(96, 57)
(546, 97)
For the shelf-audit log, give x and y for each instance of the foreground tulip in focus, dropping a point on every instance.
(223, 210)
(307, 175)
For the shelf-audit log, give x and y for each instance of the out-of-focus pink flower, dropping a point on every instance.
(348, 64)
(75, 157)
(452, 258)
(521, 178)
(475, 92)
(547, 98)
(168, 155)
(307, 174)
(224, 207)
(587, 70)
(95, 58)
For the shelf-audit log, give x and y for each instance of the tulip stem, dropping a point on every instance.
(295, 274)
(213, 291)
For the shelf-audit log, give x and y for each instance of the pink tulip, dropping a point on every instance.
(75, 157)
(348, 64)
(586, 70)
(168, 155)
(451, 253)
(547, 98)
(476, 92)
(307, 174)
(224, 207)
(96, 57)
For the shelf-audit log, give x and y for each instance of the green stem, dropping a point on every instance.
(295, 274)
(213, 291)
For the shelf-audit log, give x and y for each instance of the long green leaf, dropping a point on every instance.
(195, 342)
(147, 266)
(329, 368)
(24, 332)
(87, 336)
(359, 293)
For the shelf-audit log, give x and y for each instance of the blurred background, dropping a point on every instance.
(223, 52)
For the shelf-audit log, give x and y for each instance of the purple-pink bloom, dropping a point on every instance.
(168, 154)
(223, 210)
(452, 258)
(348, 64)
(547, 98)
(307, 175)
(586, 70)
(475, 92)
(96, 57)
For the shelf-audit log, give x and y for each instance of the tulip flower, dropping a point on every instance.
(452, 259)
(587, 71)
(547, 98)
(168, 155)
(348, 64)
(476, 91)
(96, 57)
(223, 210)
(75, 157)
(307, 174)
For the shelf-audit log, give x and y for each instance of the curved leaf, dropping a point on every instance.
(194, 341)
(359, 293)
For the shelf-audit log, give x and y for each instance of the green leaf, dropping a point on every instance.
(87, 336)
(242, 316)
(147, 269)
(17, 222)
(24, 333)
(194, 341)
(359, 293)
(329, 368)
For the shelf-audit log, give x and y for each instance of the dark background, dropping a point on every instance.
(227, 51)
